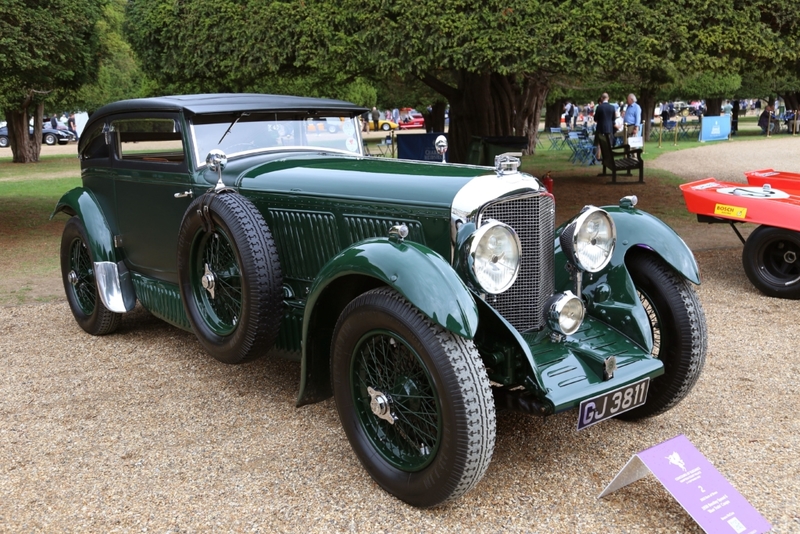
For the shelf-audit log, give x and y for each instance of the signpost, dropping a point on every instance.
(697, 486)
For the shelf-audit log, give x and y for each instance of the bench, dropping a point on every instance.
(621, 158)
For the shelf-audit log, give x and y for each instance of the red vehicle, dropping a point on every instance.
(412, 120)
(771, 199)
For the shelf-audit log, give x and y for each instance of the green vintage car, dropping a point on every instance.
(421, 296)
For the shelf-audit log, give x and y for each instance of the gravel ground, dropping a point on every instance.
(142, 431)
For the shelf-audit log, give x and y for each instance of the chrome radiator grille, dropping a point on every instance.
(533, 218)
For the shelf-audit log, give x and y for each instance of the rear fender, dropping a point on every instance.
(115, 286)
(610, 295)
(418, 273)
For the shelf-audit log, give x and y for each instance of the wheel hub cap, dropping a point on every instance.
(72, 277)
(380, 405)
(208, 281)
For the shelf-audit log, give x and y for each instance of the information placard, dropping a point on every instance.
(697, 486)
(715, 128)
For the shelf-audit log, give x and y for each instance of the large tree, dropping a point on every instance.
(493, 61)
(47, 45)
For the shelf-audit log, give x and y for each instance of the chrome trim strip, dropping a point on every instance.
(108, 286)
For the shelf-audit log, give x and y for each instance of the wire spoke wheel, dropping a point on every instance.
(230, 277)
(80, 284)
(407, 435)
(413, 398)
(217, 281)
(81, 276)
(678, 328)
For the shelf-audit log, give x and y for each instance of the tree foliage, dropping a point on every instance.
(45, 46)
(493, 61)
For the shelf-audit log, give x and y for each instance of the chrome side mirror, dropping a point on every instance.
(107, 130)
(441, 146)
(216, 161)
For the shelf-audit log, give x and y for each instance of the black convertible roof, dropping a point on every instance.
(227, 103)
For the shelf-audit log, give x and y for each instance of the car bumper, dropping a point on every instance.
(573, 370)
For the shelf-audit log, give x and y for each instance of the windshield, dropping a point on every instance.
(254, 132)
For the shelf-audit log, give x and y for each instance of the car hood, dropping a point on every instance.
(362, 179)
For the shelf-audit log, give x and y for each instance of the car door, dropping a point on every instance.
(152, 182)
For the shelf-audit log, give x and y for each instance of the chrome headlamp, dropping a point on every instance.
(588, 241)
(494, 254)
(565, 313)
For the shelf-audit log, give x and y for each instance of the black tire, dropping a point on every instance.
(771, 260)
(3, 141)
(49, 139)
(230, 249)
(77, 273)
(435, 389)
(679, 331)
(386, 126)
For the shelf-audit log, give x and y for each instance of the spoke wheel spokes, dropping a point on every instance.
(221, 307)
(83, 283)
(385, 363)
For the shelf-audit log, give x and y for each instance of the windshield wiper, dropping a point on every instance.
(242, 114)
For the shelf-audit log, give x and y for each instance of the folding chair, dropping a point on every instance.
(556, 138)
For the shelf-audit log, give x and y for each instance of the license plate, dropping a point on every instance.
(613, 403)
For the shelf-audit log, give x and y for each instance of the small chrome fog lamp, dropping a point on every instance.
(588, 241)
(565, 313)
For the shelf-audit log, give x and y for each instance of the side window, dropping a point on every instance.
(96, 147)
(152, 140)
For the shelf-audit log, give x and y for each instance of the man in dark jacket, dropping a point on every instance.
(604, 121)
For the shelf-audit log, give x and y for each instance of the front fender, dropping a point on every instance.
(610, 295)
(418, 273)
(114, 284)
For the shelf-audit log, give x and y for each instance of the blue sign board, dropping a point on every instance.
(715, 128)
(419, 147)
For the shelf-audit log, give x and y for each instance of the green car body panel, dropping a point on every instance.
(329, 215)
(610, 295)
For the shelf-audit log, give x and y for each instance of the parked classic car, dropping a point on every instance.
(383, 124)
(421, 296)
(413, 119)
(50, 136)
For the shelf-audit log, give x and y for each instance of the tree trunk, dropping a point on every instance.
(647, 102)
(552, 117)
(25, 148)
(435, 121)
(529, 109)
(713, 106)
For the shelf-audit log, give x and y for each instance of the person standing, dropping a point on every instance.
(569, 111)
(633, 117)
(53, 122)
(604, 122)
(376, 116)
(71, 125)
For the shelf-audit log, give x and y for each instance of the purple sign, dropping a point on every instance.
(697, 486)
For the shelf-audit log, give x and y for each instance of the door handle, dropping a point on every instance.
(185, 194)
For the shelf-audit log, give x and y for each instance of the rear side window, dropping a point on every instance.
(96, 147)
(155, 140)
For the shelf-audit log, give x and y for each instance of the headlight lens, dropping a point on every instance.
(495, 252)
(565, 313)
(589, 240)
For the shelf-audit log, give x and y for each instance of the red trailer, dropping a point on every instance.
(771, 199)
